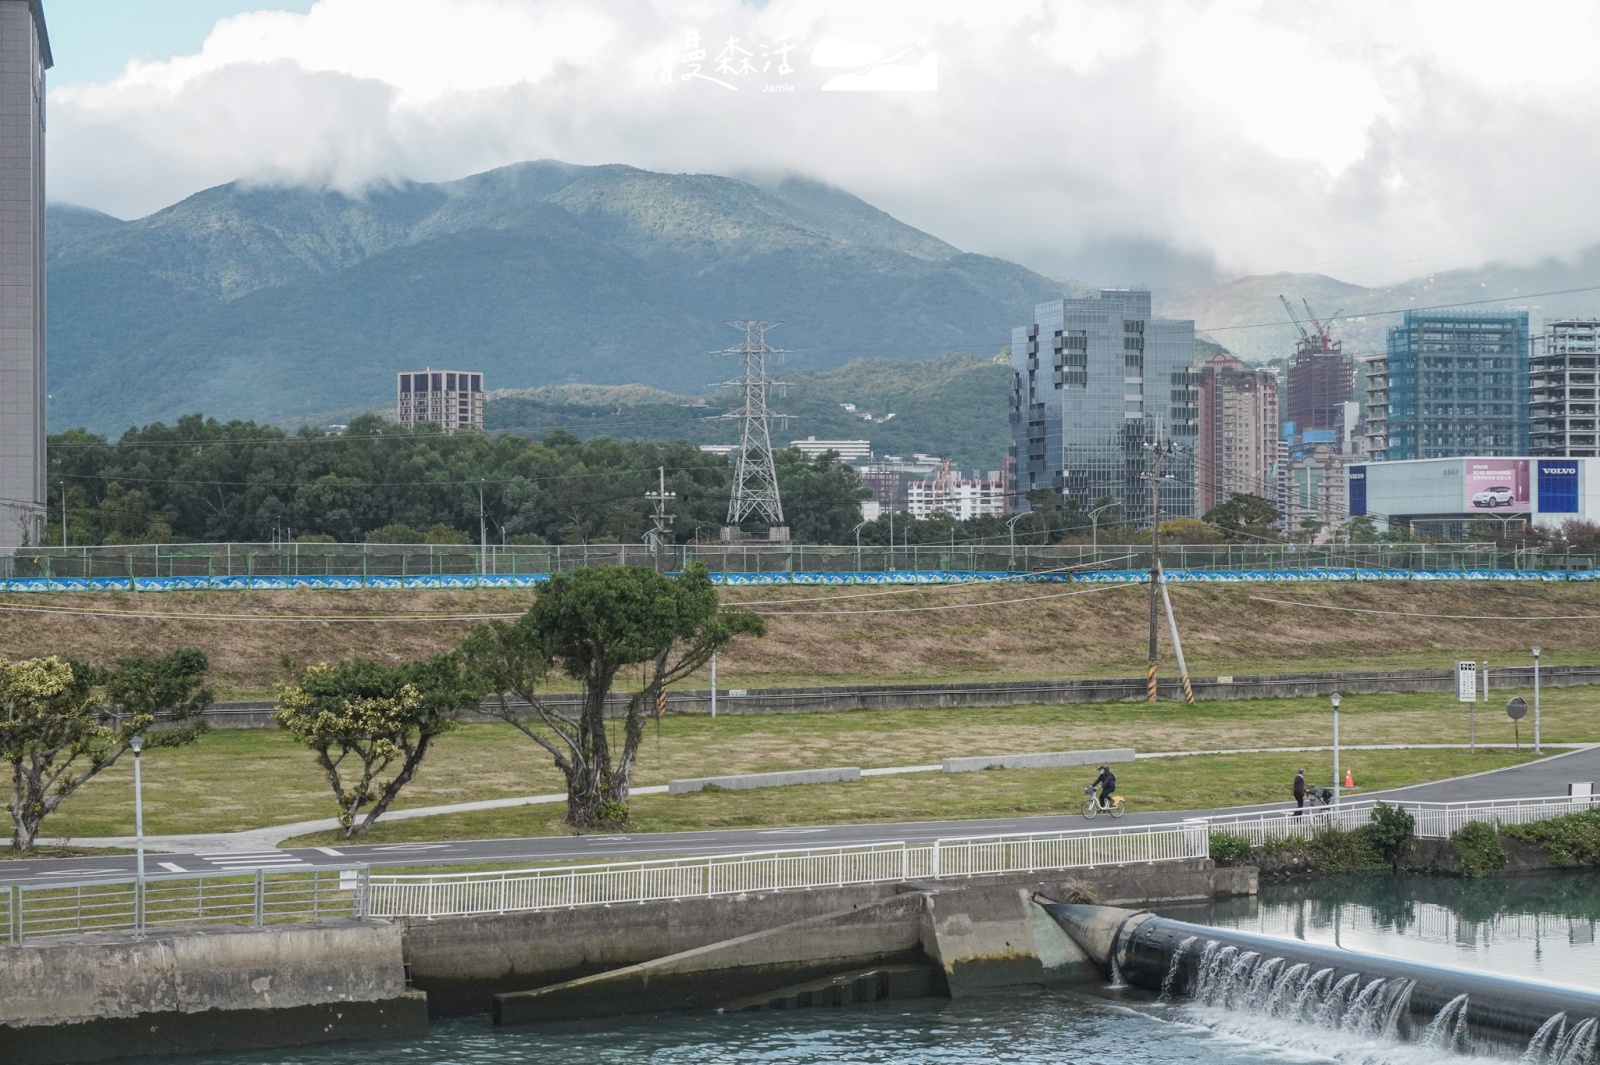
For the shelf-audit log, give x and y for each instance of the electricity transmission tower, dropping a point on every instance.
(755, 475)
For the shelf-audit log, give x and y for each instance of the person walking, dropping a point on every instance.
(1300, 793)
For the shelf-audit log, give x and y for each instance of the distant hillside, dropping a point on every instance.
(276, 303)
(954, 406)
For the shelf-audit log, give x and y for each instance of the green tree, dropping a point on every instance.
(1188, 531)
(371, 725)
(1244, 518)
(590, 625)
(65, 722)
(394, 534)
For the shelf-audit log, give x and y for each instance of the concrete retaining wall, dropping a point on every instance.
(747, 781)
(1049, 760)
(89, 998)
(1014, 693)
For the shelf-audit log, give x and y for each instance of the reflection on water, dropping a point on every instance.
(1540, 928)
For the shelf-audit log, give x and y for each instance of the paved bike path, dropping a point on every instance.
(1546, 777)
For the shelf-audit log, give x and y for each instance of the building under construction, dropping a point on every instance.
(1321, 378)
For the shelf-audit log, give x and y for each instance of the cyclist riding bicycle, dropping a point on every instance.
(1107, 783)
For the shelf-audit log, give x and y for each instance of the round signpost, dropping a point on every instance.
(1516, 710)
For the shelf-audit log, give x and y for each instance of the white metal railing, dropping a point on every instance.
(1434, 820)
(256, 898)
(459, 894)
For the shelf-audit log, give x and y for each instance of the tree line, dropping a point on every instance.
(201, 480)
(370, 723)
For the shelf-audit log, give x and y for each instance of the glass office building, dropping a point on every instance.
(1452, 383)
(1094, 381)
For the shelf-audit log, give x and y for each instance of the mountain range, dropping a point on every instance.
(276, 303)
(954, 406)
(287, 304)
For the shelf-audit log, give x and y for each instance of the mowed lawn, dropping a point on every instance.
(253, 778)
(1202, 781)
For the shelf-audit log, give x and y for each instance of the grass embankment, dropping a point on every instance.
(241, 779)
(1166, 784)
(1226, 629)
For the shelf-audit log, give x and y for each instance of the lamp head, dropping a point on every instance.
(1536, 650)
(1335, 699)
(137, 743)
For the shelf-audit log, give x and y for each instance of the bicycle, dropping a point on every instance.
(1092, 807)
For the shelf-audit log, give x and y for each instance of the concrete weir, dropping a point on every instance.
(1369, 995)
(99, 996)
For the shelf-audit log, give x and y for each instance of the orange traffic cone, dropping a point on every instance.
(1349, 779)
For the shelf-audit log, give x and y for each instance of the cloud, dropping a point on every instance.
(1359, 137)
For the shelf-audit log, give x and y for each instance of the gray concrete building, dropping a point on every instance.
(1561, 389)
(452, 399)
(1096, 382)
(24, 57)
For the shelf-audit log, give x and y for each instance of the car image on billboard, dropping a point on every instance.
(1496, 484)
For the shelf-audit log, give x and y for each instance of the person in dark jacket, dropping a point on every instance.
(1107, 783)
(1300, 793)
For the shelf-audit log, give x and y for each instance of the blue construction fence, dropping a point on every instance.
(460, 581)
(371, 561)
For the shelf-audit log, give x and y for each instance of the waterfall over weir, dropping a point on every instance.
(1364, 995)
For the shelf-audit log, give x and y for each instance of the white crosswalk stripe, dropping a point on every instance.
(258, 860)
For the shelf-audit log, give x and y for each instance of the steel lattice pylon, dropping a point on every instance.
(755, 475)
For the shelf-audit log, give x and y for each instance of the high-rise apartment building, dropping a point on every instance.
(1561, 389)
(1095, 382)
(451, 399)
(24, 57)
(1236, 448)
(1452, 383)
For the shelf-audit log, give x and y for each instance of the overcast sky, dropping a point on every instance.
(1113, 141)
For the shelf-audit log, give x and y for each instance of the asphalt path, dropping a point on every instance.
(1545, 777)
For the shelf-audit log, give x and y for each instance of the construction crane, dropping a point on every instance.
(1324, 329)
(1305, 337)
(1321, 341)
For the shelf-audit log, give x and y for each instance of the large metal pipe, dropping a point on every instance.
(1449, 1007)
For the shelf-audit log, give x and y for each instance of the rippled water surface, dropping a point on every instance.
(1539, 929)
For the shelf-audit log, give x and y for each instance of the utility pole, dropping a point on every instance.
(63, 513)
(483, 535)
(660, 518)
(755, 474)
(1158, 454)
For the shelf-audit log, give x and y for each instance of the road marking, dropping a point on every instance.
(329, 850)
(606, 839)
(414, 847)
(81, 872)
(172, 867)
(789, 831)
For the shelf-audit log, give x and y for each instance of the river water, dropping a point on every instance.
(1539, 929)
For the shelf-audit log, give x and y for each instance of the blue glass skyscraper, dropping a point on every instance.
(1095, 380)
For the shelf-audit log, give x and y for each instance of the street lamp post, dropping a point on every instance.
(1335, 700)
(1011, 535)
(1536, 749)
(1094, 531)
(857, 531)
(137, 745)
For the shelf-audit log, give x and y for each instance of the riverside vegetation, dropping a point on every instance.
(1388, 844)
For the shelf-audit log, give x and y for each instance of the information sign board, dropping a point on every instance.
(1466, 682)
